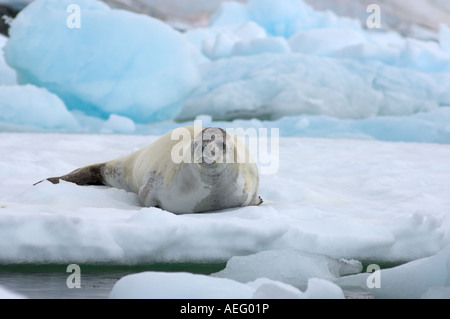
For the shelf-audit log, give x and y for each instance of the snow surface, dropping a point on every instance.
(330, 200)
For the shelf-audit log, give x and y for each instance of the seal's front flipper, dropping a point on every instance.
(89, 175)
(260, 201)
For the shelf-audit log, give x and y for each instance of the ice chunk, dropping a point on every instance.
(289, 266)
(161, 285)
(115, 62)
(32, 106)
(423, 277)
(313, 203)
(271, 289)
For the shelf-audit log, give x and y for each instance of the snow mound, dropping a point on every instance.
(114, 61)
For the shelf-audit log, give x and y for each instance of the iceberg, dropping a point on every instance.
(114, 61)
(7, 74)
(286, 68)
(352, 199)
(307, 62)
(30, 106)
(269, 86)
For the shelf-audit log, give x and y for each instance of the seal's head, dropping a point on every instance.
(213, 148)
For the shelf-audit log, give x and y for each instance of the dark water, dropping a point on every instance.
(96, 282)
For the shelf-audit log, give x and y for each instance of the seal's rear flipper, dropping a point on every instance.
(38, 182)
(89, 175)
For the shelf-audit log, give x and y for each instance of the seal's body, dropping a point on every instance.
(207, 169)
